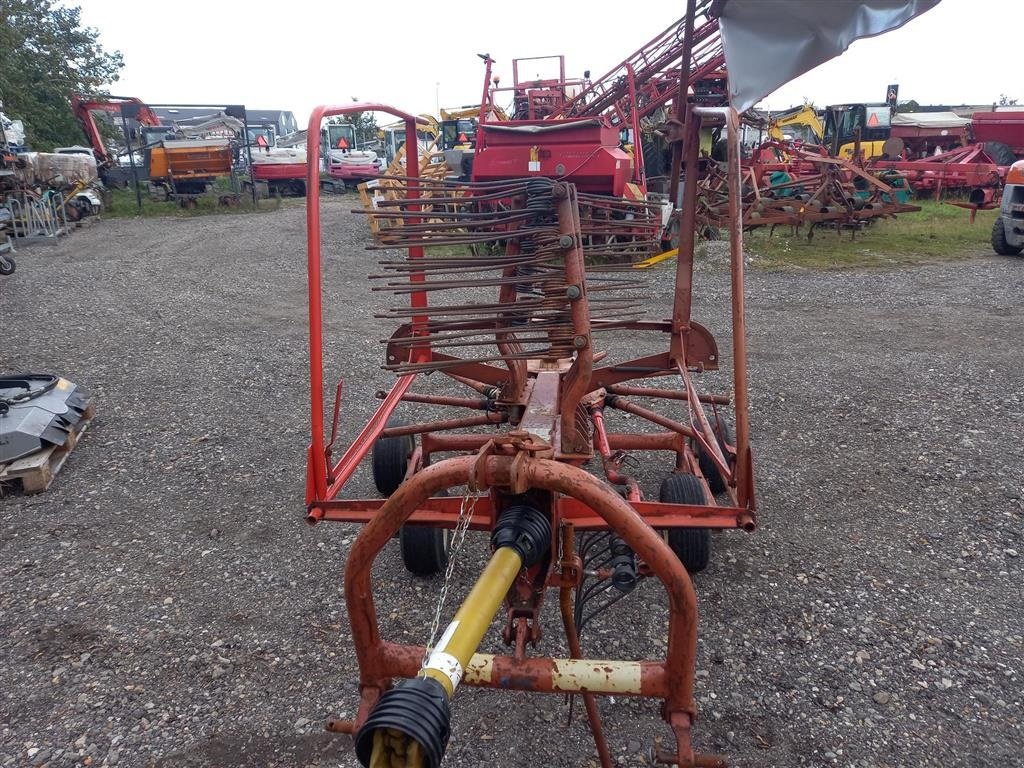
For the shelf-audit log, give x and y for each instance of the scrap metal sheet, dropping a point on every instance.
(770, 42)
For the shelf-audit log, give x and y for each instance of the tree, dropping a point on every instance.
(45, 56)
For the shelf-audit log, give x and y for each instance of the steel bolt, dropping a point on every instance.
(573, 292)
(565, 241)
(579, 342)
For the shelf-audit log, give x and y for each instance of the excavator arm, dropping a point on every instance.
(800, 117)
(84, 107)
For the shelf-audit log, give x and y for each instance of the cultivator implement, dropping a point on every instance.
(507, 289)
(806, 188)
(967, 169)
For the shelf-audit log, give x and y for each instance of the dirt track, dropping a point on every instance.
(164, 604)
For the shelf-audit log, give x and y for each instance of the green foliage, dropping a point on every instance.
(45, 56)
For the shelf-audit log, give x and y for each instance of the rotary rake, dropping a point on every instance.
(515, 321)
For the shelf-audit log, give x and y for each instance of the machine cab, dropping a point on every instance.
(843, 121)
(458, 134)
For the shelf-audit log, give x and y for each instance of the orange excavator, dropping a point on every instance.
(173, 167)
(129, 106)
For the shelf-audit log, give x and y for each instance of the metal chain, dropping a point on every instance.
(458, 537)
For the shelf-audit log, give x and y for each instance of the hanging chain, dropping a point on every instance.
(455, 547)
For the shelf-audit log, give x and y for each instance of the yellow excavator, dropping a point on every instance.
(458, 126)
(838, 132)
(844, 122)
(799, 123)
(392, 136)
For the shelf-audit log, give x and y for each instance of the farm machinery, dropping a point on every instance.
(520, 335)
(180, 161)
(346, 164)
(513, 314)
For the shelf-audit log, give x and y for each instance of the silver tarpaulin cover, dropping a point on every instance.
(770, 42)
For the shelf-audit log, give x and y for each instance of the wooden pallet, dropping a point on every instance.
(35, 473)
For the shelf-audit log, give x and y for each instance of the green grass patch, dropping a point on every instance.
(938, 232)
(448, 251)
(124, 205)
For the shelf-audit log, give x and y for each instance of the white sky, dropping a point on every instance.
(294, 55)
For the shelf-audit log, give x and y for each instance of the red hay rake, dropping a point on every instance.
(541, 398)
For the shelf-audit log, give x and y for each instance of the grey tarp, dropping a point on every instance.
(930, 120)
(770, 42)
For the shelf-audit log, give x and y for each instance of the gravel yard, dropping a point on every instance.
(164, 604)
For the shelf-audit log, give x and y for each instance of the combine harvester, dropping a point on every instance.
(520, 330)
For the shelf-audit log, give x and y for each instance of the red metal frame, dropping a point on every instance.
(560, 403)
(518, 460)
(650, 77)
(323, 482)
(967, 167)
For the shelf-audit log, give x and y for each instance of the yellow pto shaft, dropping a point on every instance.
(460, 640)
(410, 724)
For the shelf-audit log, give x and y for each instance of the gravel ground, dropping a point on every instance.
(163, 604)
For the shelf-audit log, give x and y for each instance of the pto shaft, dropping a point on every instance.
(460, 640)
(410, 724)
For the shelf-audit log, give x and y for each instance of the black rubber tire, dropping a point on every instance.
(691, 545)
(1000, 153)
(999, 242)
(391, 460)
(424, 550)
(708, 468)
(7, 265)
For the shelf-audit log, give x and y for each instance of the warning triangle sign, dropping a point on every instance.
(261, 141)
(873, 120)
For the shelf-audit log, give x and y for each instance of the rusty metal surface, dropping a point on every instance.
(818, 191)
(531, 359)
(443, 513)
(538, 270)
(539, 473)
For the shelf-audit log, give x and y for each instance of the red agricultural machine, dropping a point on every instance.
(509, 294)
(590, 133)
(530, 317)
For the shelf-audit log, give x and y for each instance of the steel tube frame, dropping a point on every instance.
(744, 458)
(375, 671)
(319, 474)
(442, 512)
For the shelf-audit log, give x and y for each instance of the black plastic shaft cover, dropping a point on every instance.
(526, 530)
(419, 709)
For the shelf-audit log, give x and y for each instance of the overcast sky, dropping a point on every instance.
(416, 55)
